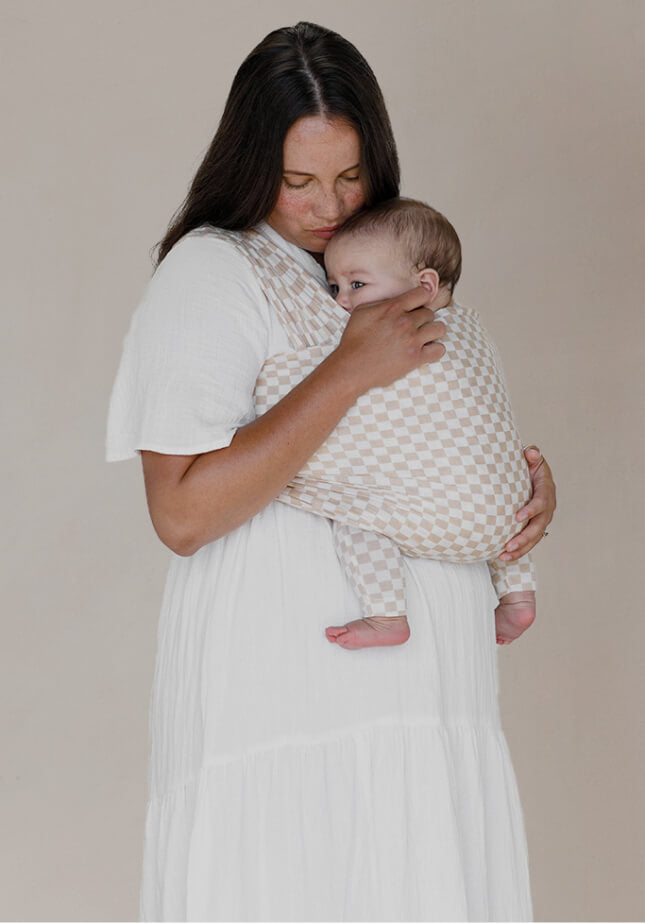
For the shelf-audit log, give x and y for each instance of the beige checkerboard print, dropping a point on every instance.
(431, 466)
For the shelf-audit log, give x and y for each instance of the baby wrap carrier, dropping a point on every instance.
(430, 466)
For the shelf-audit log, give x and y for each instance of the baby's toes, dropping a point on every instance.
(334, 631)
(348, 641)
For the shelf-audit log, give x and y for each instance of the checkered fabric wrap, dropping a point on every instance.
(431, 466)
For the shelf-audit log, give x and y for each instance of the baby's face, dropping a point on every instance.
(367, 268)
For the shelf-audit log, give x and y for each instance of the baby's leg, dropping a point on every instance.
(374, 566)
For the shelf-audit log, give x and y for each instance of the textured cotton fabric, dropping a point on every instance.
(291, 779)
(431, 465)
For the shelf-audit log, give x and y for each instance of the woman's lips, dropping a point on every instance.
(326, 233)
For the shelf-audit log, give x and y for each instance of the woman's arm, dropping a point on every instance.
(195, 499)
(538, 511)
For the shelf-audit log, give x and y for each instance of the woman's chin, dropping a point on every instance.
(316, 244)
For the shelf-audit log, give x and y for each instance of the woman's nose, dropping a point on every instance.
(328, 208)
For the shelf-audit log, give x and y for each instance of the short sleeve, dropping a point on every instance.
(192, 354)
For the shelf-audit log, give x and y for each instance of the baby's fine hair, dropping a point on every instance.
(429, 239)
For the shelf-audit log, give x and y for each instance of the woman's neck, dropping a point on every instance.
(319, 257)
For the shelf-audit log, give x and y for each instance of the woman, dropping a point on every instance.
(291, 779)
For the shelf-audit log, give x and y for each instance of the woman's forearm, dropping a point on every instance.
(195, 500)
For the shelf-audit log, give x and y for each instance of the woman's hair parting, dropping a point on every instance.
(296, 71)
(429, 239)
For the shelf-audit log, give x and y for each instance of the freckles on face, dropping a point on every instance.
(291, 205)
(321, 185)
(303, 221)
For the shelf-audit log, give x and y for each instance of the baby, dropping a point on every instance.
(431, 466)
(377, 255)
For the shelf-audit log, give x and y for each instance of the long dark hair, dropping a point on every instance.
(294, 72)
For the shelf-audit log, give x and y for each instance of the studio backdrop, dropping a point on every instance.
(522, 121)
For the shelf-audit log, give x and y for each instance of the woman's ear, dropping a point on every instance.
(429, 278)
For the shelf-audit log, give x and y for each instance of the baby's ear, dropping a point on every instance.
(429, 278)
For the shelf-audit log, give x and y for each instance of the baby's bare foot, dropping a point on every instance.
(515, 613)
(374, 631)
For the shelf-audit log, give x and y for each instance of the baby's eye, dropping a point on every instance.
(357, 284)
(333, 290)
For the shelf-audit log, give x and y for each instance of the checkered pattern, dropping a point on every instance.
(432, 466)
(373, 564)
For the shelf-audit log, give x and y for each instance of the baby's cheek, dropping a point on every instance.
(359, 298)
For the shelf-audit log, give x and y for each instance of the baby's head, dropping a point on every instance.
(389, 249)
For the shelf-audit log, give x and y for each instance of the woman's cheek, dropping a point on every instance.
(355, 200)
(293, 204)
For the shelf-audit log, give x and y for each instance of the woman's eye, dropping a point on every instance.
(333, 289)
(295, 185)
(357, 284)
(352, 179)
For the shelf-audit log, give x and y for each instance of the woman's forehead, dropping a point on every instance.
(316, 141)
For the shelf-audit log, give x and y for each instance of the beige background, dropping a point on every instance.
(523, 121)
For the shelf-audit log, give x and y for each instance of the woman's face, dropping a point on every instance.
(321, 185)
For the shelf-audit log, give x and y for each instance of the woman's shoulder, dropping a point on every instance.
(205, 285)
(207, 265)
(206, 250)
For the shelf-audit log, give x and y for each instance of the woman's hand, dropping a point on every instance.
(538, 512)
(385, 340)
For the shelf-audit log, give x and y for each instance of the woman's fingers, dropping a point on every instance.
(543, 499)
(533, 455)
(427, 330)
(431, 331)
(526, 539)
(538, 504)
(538, 512)
(433, 351)
(412, 300)
(543, 484)
(384, 341)
(421, 319)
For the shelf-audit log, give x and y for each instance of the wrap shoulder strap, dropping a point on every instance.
(306, 310)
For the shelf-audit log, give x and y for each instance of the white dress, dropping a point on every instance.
(291, 779)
